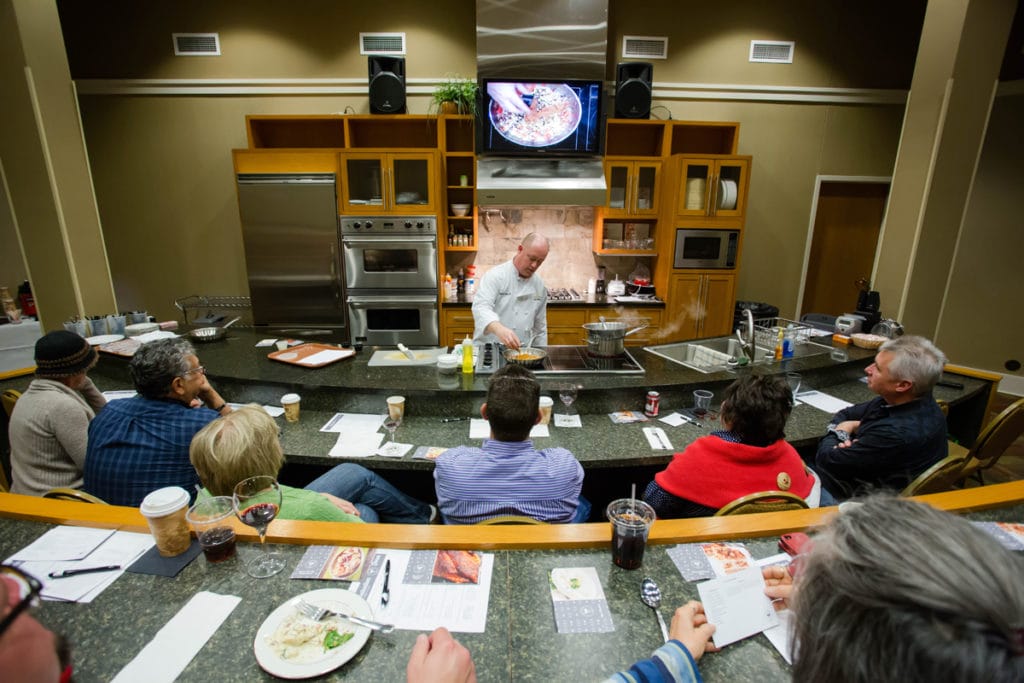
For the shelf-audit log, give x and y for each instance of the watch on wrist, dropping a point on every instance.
(221, 407)
(841, 434)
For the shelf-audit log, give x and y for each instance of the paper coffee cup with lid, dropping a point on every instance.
(290, 403)
(164, 510)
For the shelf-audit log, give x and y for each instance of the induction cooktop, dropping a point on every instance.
(562, 360)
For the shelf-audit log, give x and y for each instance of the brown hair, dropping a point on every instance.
(756, 408)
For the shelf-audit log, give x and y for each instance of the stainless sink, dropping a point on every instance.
(714, 355)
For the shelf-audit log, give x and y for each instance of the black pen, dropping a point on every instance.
(453, 419)
(85, 570)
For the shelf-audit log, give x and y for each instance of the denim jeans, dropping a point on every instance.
(373, 496)
(582, 511)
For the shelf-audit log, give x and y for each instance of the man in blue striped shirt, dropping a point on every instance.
(507, 475)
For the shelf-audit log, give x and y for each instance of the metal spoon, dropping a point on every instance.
(651, 595)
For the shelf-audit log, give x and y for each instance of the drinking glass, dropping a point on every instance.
(567, 394)
(256, 501)
(793, 379)
(391, 424)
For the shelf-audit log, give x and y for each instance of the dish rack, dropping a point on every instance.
(766, 331)
(198, 310)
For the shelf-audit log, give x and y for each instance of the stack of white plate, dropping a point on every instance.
(727, 194)
(695, 188)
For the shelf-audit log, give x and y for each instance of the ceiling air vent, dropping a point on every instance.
(772, 51)
(382, 43)
(196, 44)
(645, 47)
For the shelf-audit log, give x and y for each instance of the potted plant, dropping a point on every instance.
(456, 96)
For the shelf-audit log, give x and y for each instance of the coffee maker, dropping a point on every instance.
(869, 304)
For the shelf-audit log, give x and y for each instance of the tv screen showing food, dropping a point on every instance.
(540, 118)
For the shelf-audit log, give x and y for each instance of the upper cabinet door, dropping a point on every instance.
(412, 183)
(633, 188)
(713, 187)
(362, 184)
(380, 183)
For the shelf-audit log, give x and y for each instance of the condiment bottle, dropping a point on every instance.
(778, 345)
(25, 298)
(467, 355)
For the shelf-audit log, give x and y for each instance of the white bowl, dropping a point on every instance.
(460, 209)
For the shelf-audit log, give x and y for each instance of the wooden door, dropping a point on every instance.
(846, 226)
(719, 304)
(684, 309)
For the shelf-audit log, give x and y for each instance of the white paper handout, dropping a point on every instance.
(673, 419)
(356, 445)
(62, 543)
(737, 606)
(481, 429)
(567, 420)
(823, 401)
(119, 394)
(354, 422)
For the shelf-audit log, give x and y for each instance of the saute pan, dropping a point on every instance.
(211, 334)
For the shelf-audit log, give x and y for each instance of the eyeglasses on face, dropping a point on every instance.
(199, 368)
(28, 587)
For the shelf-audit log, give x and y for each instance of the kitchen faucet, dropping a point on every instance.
(747, 341)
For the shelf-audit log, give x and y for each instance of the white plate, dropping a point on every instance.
(104, 339)
(333, 598)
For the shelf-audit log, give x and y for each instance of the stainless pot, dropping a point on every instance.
(608, 339)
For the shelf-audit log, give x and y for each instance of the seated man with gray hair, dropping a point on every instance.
(140, 444)
(887, 441)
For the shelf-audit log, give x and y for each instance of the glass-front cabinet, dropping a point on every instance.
(713, 187)
(632, 188)
(394, 183)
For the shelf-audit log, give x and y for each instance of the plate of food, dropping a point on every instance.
(290, 645)
(554, 114)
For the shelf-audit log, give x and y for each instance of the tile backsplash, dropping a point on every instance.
(571, 262)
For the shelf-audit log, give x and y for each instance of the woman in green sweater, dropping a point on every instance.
(244, 443)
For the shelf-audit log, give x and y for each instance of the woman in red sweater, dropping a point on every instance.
(748, 456)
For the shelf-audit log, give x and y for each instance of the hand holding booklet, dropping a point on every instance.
(737, 606)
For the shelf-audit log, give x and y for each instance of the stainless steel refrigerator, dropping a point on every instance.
(290, 230)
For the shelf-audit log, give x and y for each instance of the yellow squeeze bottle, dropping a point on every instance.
(467, 356)
(778, 345)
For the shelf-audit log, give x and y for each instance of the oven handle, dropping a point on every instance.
(397, 299)
(376, 240)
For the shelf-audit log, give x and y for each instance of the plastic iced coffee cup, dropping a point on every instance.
(546, 402)
(212, 518)
(290, 403)
(396, 407)
(164, 510)
(631, 521)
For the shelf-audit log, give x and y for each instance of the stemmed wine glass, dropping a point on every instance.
(391, 423)
(567, 394)
(256, 501)
(793, 379)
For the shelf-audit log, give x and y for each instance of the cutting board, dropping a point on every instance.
(311, 355)
(395, 358)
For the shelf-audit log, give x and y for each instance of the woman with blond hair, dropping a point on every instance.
(244, 444)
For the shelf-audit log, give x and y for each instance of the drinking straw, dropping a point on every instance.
(632, 498)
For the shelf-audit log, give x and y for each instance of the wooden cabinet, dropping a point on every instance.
(388, 182)
(456, 324)
(565, 325)
(712, 187)
(633, 188)
(274, 161)
(458, 172)
(701, 304)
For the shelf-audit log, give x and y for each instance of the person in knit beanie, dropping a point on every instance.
(50, 422)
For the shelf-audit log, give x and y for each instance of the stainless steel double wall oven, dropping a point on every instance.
(390, 266)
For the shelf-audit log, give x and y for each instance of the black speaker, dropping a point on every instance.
(633, 90)
(387, 84)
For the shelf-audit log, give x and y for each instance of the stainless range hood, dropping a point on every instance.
(541, 39)
(502, 181)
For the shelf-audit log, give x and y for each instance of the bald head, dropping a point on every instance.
(531, 254)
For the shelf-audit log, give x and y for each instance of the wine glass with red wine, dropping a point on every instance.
(256, 501)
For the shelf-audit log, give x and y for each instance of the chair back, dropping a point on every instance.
(9, 398)
(998, 435)
(763, 501)
(511, 519)
(73, 494)
(939, 477)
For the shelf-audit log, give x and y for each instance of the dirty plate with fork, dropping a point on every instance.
(290, 645)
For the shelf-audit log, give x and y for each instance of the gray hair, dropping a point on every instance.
(917, 360)
(155, 365)
(895, 590)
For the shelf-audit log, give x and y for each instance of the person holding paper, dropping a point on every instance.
(50, 422)
(511, 304)
(749, 455)
(886, 442)
(140, 444)
(245, 444)
(507, 475)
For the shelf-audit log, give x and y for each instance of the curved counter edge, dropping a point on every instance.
(489, 537)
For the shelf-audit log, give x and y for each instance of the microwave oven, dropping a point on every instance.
(705, 248)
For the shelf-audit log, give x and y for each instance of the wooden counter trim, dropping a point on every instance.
(518, 537)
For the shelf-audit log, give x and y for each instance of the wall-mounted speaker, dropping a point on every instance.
(387, 84)
(633, 90)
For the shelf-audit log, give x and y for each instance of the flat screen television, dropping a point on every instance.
(541, 118)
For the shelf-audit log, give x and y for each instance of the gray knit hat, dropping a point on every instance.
(63, 354)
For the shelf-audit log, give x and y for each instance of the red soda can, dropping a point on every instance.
(651, 407)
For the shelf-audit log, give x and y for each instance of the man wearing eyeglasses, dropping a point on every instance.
(28, 651)
(142, 442)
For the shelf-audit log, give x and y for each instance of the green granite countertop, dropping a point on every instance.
(520, 642)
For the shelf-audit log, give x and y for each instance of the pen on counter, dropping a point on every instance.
(85, 570)
(453, 419)
(385, 593)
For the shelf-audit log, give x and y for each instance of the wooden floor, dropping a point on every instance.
(1010, 467)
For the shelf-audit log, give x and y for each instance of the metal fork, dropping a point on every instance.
(317, 613)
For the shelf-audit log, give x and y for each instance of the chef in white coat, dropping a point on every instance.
(511, 302)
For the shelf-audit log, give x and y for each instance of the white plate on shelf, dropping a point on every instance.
(332, 598)
(104, 339)
(727, 194)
